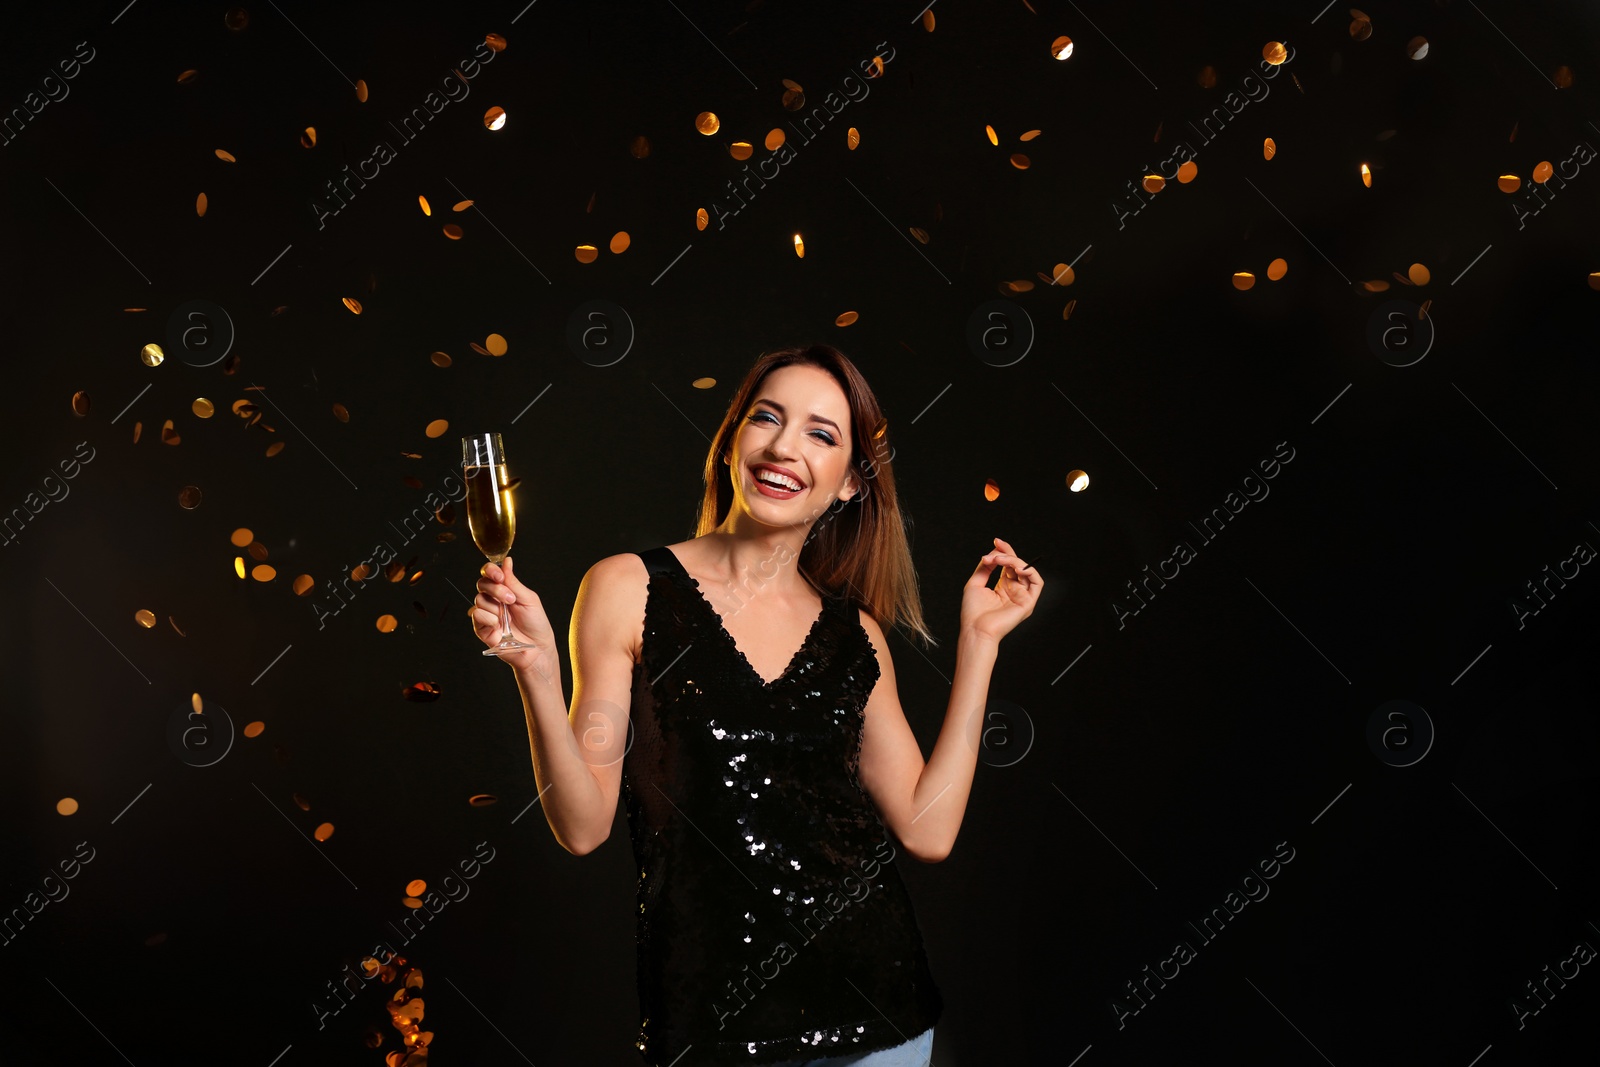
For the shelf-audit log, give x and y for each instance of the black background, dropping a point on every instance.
(1227, 716)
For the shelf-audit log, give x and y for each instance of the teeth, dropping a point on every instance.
(773, 477)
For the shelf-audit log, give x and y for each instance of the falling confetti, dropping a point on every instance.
(586, 253)
(495, 344)
(991, 489)
(452, 231)
(852, 138)
(437, 428)
(145, 617)
(80, 403)
(226, 156)
(361, 90)
(1077, 481)
(494, 118)
(846, 318)
(620, 241)
(799, 247)
(1061, 48)
(1243, 280)
(353, 304)
(1277, 269)
(740, 150)
(203, 407)
(707, 122)
(189, 497)
(422, 201)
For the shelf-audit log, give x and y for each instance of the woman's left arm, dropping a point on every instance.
(922, 803)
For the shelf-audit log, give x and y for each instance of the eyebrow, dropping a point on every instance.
(814, 416)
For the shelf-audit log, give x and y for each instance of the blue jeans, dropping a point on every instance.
(918, 1052)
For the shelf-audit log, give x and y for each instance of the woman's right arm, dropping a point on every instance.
(577, 754)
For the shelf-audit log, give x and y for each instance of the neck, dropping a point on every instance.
(757, 564)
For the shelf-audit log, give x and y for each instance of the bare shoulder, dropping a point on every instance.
(874, 633)
(612, 599)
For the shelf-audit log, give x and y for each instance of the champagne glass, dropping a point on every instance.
(491, 513)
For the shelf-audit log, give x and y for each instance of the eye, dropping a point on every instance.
(826, 436)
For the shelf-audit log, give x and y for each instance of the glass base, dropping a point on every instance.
(507, 646)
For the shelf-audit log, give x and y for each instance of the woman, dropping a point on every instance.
(757, 737)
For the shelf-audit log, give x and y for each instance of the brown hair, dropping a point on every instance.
(860, 546)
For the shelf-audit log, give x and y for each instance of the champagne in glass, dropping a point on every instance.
(491, 513)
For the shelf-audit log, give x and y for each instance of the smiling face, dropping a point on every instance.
(797, 425)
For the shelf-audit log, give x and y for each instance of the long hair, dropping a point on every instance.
(859, 547)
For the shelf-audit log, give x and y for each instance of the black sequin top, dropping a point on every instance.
(773, 923)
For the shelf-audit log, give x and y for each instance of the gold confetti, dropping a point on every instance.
(196, 703)
(1269, 148)
(1153, 183)
(701, 219)
(1366, 176)
(462, 206)
(1541, 173)
(174, 624)
(274, 448)
(258, 551)
(66, 806)
(137, 426)
(704, 383)
(323, 832)
(496, 344)
(308, 139)
(303, 584)
(774, 139)
(416, 887)
(1020, 161)
(1243, 280)
(852, 138)
(994, 138)
(494, 118)
(482, 800)
(254, 729)
(586, 253)
(1417, 48)
(169, 436)
(452, 231)
(707, 122)
(189, 497)
(238, 565)
(1062, 275)
(152, 355)
(792, 85)
(145, 617)
(799, 247)
(440, 359)
(203, 407)
(80, 403)
(226, 156)
(1360, 27)
(422, 201)
(793, 100)
(236, 19)
(1030, 135)
(188, 77)
(991, 489)
(476, 347)
(387, 623)
(740, 150)
(361, 90)
(341, 413)
(1066, 312)
(1509, 183)
(263, 572)
(353, 304)
(1418, 274)
(927, 19)
(1277, 269)
(1375, 286)
(846, 318)
(620, 241)
(1274, 53)
(919, 233)
(1187, 171)
(437, 428)
(1077, 481)
(495, 42)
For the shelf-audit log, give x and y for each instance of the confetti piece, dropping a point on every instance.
(707, 122)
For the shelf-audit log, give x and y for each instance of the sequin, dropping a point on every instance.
(734, 786)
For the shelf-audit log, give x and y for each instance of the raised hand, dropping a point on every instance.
(993, 613)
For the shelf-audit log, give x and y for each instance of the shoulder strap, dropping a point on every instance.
(659, 560)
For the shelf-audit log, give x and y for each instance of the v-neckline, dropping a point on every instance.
(794, 660)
